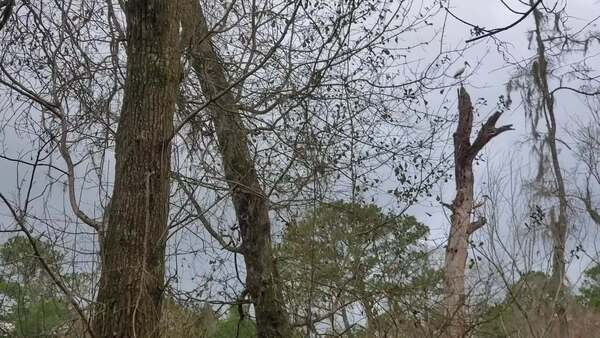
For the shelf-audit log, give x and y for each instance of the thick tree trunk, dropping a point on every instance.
(131, 282)
(558, 226)
(462, 225)
(456, 256)
(249, 200)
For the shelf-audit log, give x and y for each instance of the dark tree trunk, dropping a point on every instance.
(587, 200)
(249, 199)
(132, 278)
(558, 225)
(462, 225)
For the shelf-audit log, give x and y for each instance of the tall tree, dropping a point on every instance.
(131, 282)
(540, 103)
(249, 199)
(462, 224)
(558, 223)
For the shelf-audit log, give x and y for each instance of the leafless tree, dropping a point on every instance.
(463, 207)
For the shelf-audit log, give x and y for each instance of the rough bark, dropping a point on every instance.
(558, 225)
(587, 200)
(462, 225)
(132, 277)
(249, 200)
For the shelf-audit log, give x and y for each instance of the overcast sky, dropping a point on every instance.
(487, 79)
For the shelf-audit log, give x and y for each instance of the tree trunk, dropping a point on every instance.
(249, 200)
(587, 200)
(558, 227)
(462, 225)
(131, 281)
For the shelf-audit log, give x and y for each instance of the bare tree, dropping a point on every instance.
(558, 223)
(540, 108)
(462, 223)
(249, 199)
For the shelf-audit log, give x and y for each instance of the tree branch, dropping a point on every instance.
(474, 226)
(205, 222)
(487, 132)
(8, 8)
(502, 29)
(587, 201)
(448, 206)
(578, 91)
(57, 112)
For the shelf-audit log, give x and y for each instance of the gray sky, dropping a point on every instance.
(487, 80)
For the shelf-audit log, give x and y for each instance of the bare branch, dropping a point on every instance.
(474, 226)
(487, 132)
(447, 205)
(8, 8)
(587, 200)
(502, 29)
(205, 222)
(578, 91)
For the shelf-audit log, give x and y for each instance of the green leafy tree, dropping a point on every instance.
(351, 256)
(590, 289)
(31, 305)
(527, 309)
(187, 320)
(233, 326)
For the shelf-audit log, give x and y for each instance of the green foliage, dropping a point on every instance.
(187, 321)
(353, 253)
(20, 262)
(590, 289)
(529, 301)
(532, 287)
(233, 327)
(30, 303)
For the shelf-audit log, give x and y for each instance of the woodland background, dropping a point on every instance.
(299, 168)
